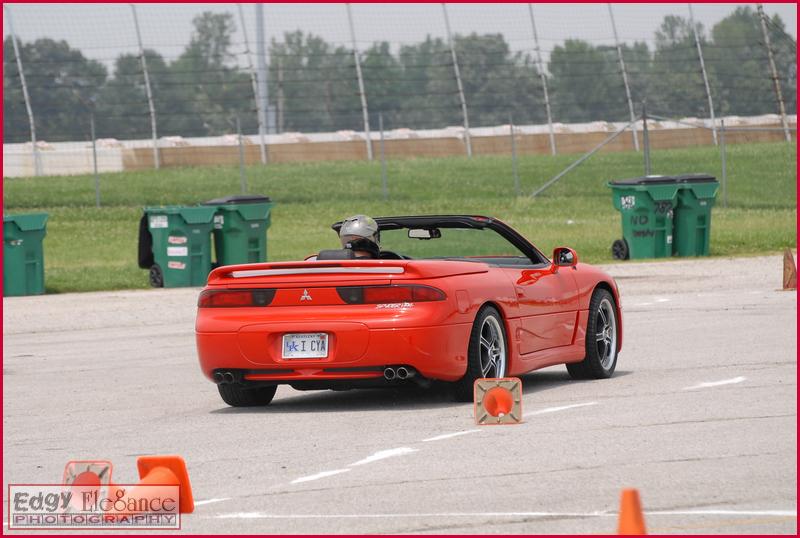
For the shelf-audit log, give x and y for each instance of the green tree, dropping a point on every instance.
(60, 81)
(739, 61)
(676, 85)
(496, 82)
(319, 83)
(205, 89)
(122, 110)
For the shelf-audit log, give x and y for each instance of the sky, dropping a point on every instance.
(103, 31)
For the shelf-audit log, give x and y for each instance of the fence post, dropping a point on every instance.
(514, 169)
(705, 74)
(362, 94)
(242, 176)
(467, 138)
(775, 80)
(544, 81)
(624, 78)
(94, 158)
(724, 158)
(384, 181)
(645, 140)
(148, 90)
(280, 111)
(26, 97)
(254, 83)
(261, 63)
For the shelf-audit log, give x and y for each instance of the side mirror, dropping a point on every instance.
(564, 257)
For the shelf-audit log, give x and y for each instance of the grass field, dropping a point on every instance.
(95, 249)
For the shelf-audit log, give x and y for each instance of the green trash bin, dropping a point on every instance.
(175, 245)
(693, 214)
(240, 228)
(646, 205)
(23, 255)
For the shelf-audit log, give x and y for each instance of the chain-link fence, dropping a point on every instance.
(140, 86)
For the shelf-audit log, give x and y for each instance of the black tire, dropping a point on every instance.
(601, 354)
(236, 395)
(156, 277)
(620, 250)
(487, 321)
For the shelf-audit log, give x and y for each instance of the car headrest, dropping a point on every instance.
(339, 254)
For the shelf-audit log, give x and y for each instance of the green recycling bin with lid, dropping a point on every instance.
(696, 197)
(175, 245)
(23, 254)
(647, 207)
(240, 228)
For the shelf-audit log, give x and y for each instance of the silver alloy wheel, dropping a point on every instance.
(493, 348)
(606, 334)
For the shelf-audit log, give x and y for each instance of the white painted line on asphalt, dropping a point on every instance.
(211, 501)
(716, 383)
(734, 513)
(323, 474)
(448, 435)
(383, 454)
(777, 513)
(556, 409)
(662, 300)
(263, 515)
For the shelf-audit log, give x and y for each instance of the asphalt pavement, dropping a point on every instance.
(701, 417)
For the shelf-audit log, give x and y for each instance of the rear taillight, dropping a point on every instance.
(390, 294)
(234, 298)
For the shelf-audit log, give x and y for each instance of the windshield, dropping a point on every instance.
(451, 243)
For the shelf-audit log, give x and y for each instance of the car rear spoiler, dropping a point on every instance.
(356, 268)
(321, 271)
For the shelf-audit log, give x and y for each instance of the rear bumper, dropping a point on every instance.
(356, 352)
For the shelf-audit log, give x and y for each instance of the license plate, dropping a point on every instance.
(305, 346)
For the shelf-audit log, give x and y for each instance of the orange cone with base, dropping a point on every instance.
(167, 470)
(498, 401)
(631, 517)
(155, 471)
(789, 271)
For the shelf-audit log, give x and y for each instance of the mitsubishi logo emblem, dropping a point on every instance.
(305, 296)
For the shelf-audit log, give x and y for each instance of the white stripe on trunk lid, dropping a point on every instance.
(311, 270)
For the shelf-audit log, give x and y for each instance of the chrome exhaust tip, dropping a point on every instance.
(219, 378)
(389, 374)
(402, 372)
(229, 377)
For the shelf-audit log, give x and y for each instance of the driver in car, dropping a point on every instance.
(360, 234)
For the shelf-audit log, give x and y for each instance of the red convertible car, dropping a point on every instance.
(452, 298)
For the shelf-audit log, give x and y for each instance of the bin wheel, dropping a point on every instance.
(619, 250)
(156, 277)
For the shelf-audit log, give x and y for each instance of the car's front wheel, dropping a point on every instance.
(601, 339)
(236, 395)
(488, 353)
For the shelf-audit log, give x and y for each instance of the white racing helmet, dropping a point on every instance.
(360, 232)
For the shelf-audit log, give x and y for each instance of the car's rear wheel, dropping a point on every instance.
(236, 395)
(601, 339)
(487, 355)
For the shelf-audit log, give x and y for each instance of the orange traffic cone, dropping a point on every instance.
(167, 470)
(789, 271)
(158, 476)
(498, 401)
(87, 478)
(631, 518)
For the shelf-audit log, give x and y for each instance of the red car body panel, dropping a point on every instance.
(545, 311)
